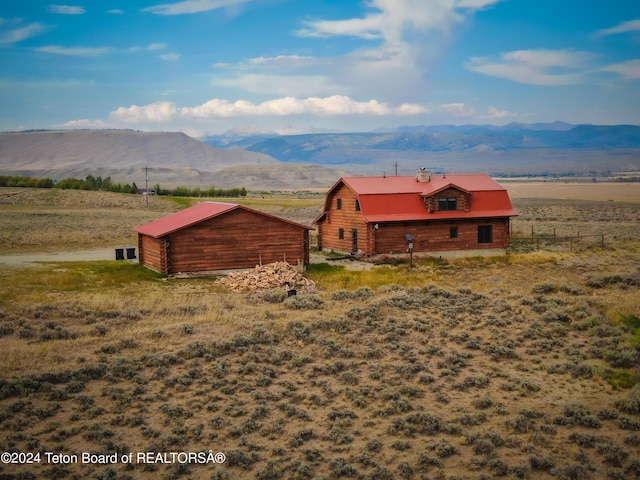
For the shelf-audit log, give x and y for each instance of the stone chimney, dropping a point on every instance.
(423, 175)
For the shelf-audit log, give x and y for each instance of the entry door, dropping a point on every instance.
(354, 240)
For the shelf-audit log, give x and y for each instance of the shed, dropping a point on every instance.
(443, 215)
(214, 236)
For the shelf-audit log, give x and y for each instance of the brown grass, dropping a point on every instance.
(516, 367)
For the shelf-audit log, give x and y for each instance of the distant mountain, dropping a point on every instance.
(259, 159)
(511, 149)
(121, 154)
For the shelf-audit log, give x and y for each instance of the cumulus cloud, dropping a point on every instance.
(624, 27)
(458, 110)
(85, 123)
(336, 105)
(154, 113)
(493, 113)
(534, 67)
(629, 69)
(66, 10)
(192, 6)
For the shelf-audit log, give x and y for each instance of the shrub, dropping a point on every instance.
(541, 463)
(274, 295)
(612, 454)
(542, 288)
(425, 423)
(342, 468)
(305, 302)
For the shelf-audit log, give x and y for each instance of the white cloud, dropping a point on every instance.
(74, 51)
(458, 109)
(16, 34)
(85, 123)
(98, 51)
(170, 57)
(192, 6)
(335, 105)
(392, 19)
(624, 27)
(154, 113)
(475, 4)
(629, 69)
(535, 67)
(493, 113)
(283, 61)
(152, 47)
(66, 10)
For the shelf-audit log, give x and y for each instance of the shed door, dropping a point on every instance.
(354, 240)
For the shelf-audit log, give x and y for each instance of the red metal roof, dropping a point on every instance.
(401, 198)
(196, 214)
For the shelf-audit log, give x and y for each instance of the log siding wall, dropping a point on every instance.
(346, 218)
(463, 199)
(237, 239)
(435, 236)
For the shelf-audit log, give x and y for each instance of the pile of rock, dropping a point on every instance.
(269, 276)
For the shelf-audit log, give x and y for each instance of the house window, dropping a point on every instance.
(339, 204)
(341, 233)
(453, 232)
(445, 204)
(485, 234)
(357, 205)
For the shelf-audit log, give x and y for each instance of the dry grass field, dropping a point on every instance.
(525, 366)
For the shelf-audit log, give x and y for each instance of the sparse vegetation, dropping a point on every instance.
(525, 367)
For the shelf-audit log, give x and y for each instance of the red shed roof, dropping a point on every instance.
(401, 198)
(196, 214)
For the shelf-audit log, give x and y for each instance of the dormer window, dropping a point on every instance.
(446, 204)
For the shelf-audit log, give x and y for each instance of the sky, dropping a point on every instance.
(208, 67)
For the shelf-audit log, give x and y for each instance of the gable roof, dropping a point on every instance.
(196, 214)
(401, 198)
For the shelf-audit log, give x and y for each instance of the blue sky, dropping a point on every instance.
(209, 66)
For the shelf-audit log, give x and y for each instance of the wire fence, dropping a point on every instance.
(555, 242)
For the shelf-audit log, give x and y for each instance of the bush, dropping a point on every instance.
(305, 302)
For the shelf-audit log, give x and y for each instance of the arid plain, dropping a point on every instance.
(525, 366)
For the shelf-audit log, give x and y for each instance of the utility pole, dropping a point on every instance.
(396, 167)
(146, 183)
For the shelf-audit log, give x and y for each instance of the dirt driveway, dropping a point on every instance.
(109, 254)
(78, 256)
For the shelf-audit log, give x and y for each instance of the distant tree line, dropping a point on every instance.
(96, 183)
(27, 182)
(105, 184)
(89, 183)
(199, 192)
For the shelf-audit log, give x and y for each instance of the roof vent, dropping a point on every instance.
(423, 175)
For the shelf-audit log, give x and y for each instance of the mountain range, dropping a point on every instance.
(267, 160)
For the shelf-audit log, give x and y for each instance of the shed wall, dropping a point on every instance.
(152, 253)
(237, 239)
